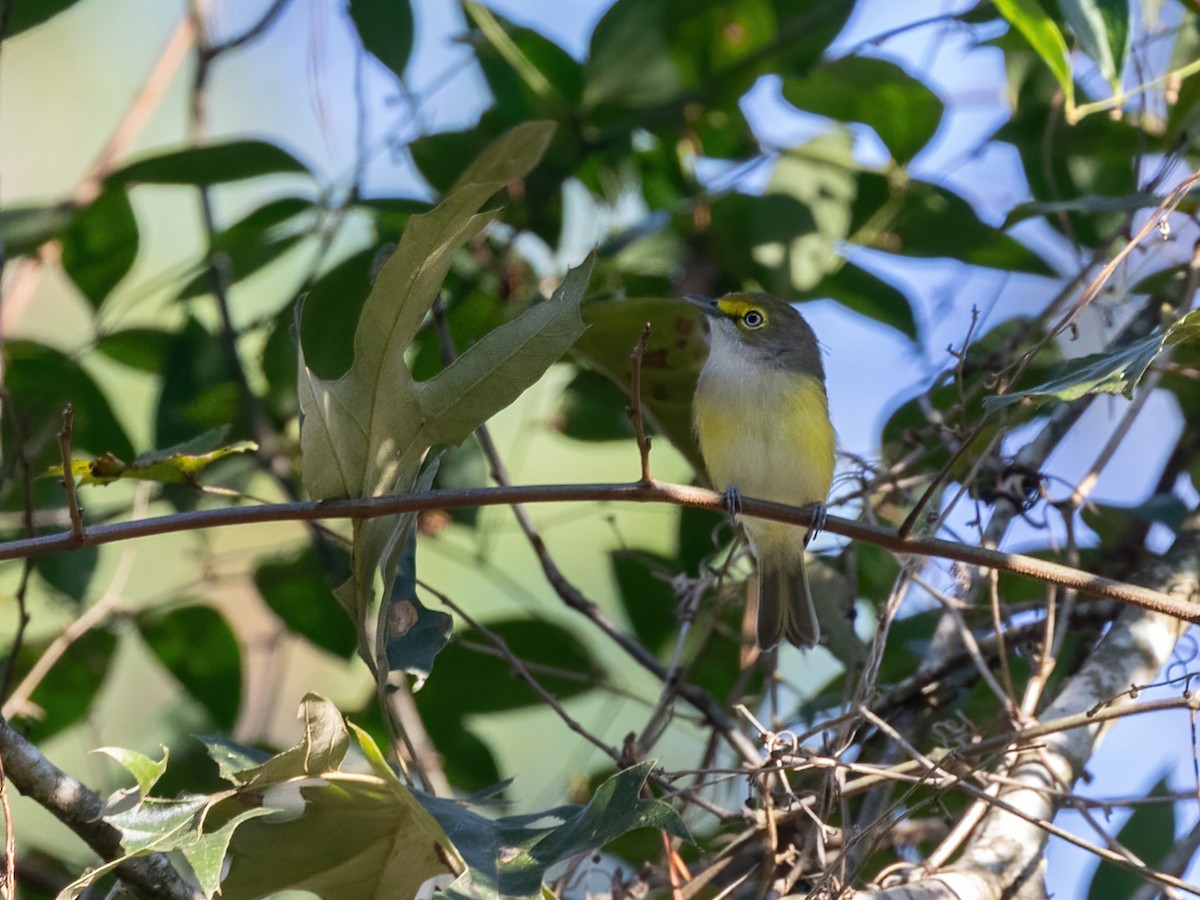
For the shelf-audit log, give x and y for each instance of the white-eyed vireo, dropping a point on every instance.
(762, 420)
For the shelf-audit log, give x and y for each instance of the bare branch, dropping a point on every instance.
(655, 492)
(80, 808)
(1004, 857)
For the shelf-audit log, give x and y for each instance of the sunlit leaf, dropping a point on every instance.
(321, 749)
(340, 836)
(367, 433)
(145, 771)
(1043, 35)
(1110, 372)
(332, 833)
(173, 466)
(1102, 28)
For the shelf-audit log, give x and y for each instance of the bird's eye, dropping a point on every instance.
(753, 319)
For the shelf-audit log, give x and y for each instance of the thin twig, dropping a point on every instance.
(8, 890)
(68, 482)
(635, 402)
(92, 616)
(522, 671)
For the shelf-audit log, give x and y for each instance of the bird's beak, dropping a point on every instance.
(706, 305)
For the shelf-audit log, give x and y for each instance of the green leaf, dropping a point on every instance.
(442, 157)
(334, 834)
(341, 836)
(297, 589)
(1128, 203)
(385, 28)
(902, 110)
(320, 750)
(251, 243)
(26, 14)
(198, 394)
(69, 573)
(209, 165)
(1102, 28)
(195, 644)
(279, 366)
(647, 596)
(1043, 35)
(415, 635)
(145, 771)
(41, 382)
(550, 650)
(1111, 372)
(25, 228)
(157, 823)
(630, 60)
(529, 75)
(818, 175)
(1089, 158)
(100, 245)
(232, 758)
(1112, 524)
(139, 348)
(869, 295)
(508, 857)
(205, 850)
(594, 409)
(1149, 834)
(65, 695)
(367, 433)
(917, 218)
(675, 354)
(172, 466)
(330, 313)
(655, 55)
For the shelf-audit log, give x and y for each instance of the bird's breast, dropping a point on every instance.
(767, 433)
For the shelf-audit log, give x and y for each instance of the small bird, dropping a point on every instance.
(761, 416)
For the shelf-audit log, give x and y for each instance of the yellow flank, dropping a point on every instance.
(768, 435)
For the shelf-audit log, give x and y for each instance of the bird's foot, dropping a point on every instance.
(819, 514)
(733, 500)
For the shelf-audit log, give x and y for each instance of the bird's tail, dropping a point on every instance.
(785, 604)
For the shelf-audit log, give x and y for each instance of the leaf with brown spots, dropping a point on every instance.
(675, 354)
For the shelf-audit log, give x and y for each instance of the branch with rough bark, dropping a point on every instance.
(1005, 855)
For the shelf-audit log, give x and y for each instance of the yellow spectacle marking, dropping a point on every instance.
(735, 308)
